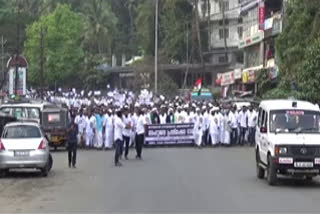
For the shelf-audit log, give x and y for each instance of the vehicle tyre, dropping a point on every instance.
(259, 170)
(45, 170)
(50, 163)
(272, 173)
(3, 172)
(309, 178)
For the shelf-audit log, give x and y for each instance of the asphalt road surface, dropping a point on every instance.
(185, 180)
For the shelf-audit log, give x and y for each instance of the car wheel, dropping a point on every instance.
(272, 173)
(3, 172)
(45, 170)
(309, 178)
(259, 170)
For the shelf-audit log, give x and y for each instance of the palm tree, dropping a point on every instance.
(100, 25)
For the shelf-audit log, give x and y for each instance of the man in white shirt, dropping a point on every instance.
(214, 128)
(233, 122)
(198, 121)
(108, 128)
(118, 137)
(140, 129)
(90, 129)
(243, 119)
(126, 119)
(80, 120)
(252, 121)
(163, 115)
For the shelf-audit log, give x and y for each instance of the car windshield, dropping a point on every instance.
(22, 131)
(298, 121)
(33, 113)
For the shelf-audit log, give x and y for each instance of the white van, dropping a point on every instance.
(27, 110)
(287, 139)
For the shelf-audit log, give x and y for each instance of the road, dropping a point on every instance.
(185, 180)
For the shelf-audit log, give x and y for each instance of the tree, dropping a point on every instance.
(62, 46)
(296, 52)
(175, 17)
(100, 26)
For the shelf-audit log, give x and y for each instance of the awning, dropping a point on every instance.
(252, 68)
(247, 6)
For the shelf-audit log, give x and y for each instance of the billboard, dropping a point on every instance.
(21, 81)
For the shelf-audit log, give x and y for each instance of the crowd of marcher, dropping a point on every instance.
(117, 120)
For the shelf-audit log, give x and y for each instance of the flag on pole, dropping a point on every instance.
(197, 85)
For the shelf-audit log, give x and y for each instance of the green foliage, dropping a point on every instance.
(175, 24)
(296, 50)
(99, 26)
(145, 26)
(309, 75)
(62, 32)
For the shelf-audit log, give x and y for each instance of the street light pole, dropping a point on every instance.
(156, 50)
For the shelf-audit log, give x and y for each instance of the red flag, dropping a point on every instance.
(197, 84)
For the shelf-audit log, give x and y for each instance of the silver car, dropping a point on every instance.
(24, 145)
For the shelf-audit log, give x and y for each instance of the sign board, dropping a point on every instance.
(261, 15)
(254, 39)
(227, 78)
(169, 134)
(21, 82)
(237, 74)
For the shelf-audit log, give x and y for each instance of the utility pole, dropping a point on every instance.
(156, 50)
(18, 48)
(222, 3)
(41, 61)
(3, 42)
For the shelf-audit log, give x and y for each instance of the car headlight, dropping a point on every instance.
(283, 150)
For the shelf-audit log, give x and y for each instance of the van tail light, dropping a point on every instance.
(43, 145)
(2, 146)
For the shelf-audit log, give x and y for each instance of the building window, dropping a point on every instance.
(226, 5)
(240, 32)
(223, 59)
(226, 22)
(221, 36)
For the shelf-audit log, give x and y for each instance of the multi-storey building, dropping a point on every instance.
(215, 53)
(262, 21)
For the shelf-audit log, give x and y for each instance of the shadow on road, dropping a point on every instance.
(298, 183)
(26, 174)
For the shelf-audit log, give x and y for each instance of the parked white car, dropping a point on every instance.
(24, 145)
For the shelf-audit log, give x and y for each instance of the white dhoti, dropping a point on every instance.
(226, 139)
(221, 134)
(89, 139)
(214, 138)
(108, 138)
(198, 137)
(98, 139)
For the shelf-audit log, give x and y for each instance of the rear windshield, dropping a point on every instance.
(22, 131)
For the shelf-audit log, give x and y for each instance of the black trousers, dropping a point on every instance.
(139, 144)
(126, 140)
(252, 135)
(242, 135)
(72, 153)
(117, 150)
(234, 136)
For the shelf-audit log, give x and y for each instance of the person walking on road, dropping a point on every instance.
(140, 129)
(72, 144)
(118, 137)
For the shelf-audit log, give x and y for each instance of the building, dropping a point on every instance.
(262, 22)
(227, 11)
